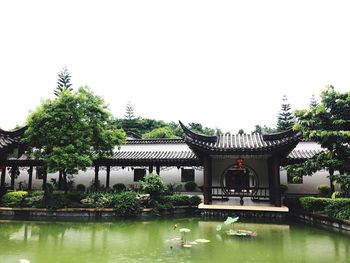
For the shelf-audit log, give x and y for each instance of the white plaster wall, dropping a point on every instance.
(309, 185)
(170, 175)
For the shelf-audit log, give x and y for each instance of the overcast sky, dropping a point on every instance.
(225, 64)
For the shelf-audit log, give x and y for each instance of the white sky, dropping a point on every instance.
(225, 64)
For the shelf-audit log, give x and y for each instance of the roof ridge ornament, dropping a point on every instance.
(196, 136)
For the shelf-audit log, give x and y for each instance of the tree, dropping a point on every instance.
(163, 132)
(240, 131)
(71, 131)
(129, 111)
(198, 127)
(63, 82)
(328, 123)
(285, 118)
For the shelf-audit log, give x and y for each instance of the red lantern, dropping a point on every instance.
(240, 164)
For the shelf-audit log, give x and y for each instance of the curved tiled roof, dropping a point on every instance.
(242, 144)
(10, 139)
(303, 154)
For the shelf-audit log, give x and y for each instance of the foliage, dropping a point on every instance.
(231, 232)
(126, 204)
(190, 186)
(339, 208)
(285, 119)
(324, 190)
(163, 132)
(195, 200)
(263, 129)
(293, 203)
(153, 185)
(98, 200)
(14, 199)
(119, 187)
(56, 200)
(150, 128)
(71, 131)
(328, 124)
(336, 194)
(240, 131)
(312, 204)
(81, 188)
(297, 179)
(63, 82)
(344, 181)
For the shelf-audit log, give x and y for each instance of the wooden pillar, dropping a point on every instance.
(13, 175)
(207, 192)
(97, 168)
(30, 178)
(150, 169)
(60, 180)
(108, 172)
(158, 169)
(44, 179)
(331, 173)
(3, 176)
(271, 180)
(276, 182)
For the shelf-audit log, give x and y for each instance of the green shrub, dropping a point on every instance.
(56, 200)
(324, 190)
(297, 180)
(153, 185)
(190, 186)
(195, 200)
(177, 199)
(81, 188)
(337, 195)
(14, 199)
(37, 193)
(76, 196)
(49, 187)
(312, 204)
(118, 188)
(97, 200)
(339, 208)
(36, 201)
(126, 204)
(293, 203)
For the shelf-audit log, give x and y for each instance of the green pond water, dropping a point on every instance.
(152, 241)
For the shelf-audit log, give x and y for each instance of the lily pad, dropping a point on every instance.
(231, 220)
(202, 240)
(184, 230)
(187, 245)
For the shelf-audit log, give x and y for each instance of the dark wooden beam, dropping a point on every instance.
(158, 169)
(108, 172)
(150, 169)
(60, 180)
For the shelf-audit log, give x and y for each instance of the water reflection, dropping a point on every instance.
(144, 241)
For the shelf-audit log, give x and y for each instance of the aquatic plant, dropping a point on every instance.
(232, 232)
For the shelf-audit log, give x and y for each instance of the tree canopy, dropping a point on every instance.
(327, 123)
(69, 132)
